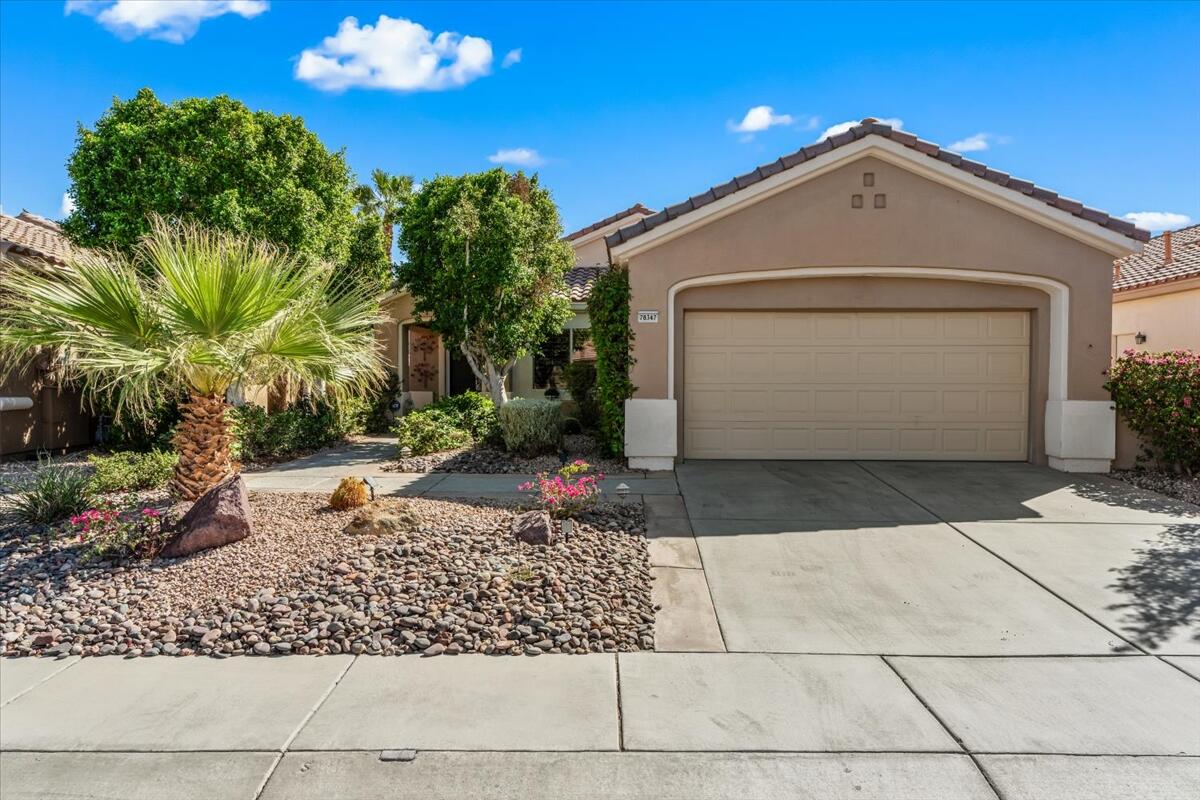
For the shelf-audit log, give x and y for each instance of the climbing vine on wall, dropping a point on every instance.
(612, 337)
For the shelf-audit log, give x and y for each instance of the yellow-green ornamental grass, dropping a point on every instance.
(350, 493)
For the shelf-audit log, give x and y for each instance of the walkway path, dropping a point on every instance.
(369, 456)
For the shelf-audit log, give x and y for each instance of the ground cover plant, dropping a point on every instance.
(129, 471)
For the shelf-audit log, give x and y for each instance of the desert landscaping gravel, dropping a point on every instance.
(484, 460)
(455, 581)
(1180, 487)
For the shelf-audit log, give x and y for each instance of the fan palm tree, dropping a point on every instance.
(192, 312)
(384, 199)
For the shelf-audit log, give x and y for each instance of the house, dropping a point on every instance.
(872, 296)
(36, 413)
(426, 369)
(1156, 306)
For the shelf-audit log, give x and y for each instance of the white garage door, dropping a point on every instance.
(904, 385)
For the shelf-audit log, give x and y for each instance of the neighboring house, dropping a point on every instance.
(1156, 306)
(427, 369)
(1156, 295)
(35, 412)
(873, 296)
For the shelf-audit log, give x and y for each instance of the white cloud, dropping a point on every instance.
(759, 119)
(68, 205)
(842, 127)
(971, 144)
(172, 21)
(510, 58)
(1158, 220)
(396, 54)
(518, 157)
(978, 142)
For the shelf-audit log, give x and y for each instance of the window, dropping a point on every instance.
(573, 344)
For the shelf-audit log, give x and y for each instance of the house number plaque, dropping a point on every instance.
(647, 316)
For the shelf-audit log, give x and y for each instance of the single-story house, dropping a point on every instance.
(873, 296)
(36, 413)
(426, 369)
(1156, 306)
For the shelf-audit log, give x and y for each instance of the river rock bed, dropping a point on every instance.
(488, 461)
(458, 582)
(1180, 487)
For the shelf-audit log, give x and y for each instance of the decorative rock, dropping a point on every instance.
(221, 516)
(533, 527)
(382, 521)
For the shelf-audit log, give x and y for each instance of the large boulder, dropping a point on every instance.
(534, 527)
(221, 516)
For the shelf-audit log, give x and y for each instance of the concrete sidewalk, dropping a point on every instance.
(633, 725)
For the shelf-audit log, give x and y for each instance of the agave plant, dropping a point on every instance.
(192, 311)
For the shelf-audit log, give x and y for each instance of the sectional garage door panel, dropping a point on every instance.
(911, 385)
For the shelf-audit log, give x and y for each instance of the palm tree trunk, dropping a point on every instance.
(202, 439)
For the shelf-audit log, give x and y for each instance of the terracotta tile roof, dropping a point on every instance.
(580, 280)
(636, 208)
(1149, 267)
(34, 236)
(869, 127)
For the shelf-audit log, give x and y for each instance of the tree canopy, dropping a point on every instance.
(485, 266)
(214, 162)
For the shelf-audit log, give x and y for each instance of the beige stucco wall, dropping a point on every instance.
(924, 224)
(595, 252)
(396, 309)
(1169, 315)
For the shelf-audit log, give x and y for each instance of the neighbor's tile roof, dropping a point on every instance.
(636, 208)
(1147, 268)
(580, 280)
(31, 235)
(867, 127)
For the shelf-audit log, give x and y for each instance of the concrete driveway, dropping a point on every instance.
(941, 559)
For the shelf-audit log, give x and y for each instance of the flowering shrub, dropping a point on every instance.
(1158, 395)
(108, 533)
(566, 495)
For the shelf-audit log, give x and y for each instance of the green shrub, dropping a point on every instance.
(581, 381)
(55, 493)
(258, 435)
(150, 431)
(612, 336)
(531, 427)
(122, 472)
(380, 416)
(430, 430)
(1158, 395)
(476, 414)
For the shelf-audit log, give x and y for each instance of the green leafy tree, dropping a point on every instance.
(193, 311)
(210, 161)
(485, 267)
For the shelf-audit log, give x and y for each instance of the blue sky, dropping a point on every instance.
(615, 103)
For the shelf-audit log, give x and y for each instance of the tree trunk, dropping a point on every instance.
(489, 375)
(202, 439)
